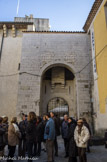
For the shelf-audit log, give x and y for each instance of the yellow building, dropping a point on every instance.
(96, 26)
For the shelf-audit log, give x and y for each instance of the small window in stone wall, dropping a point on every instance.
(19, 66)
(105, 8)
(86, 86)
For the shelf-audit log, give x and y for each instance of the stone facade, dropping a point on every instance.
(29, 55)
(11, 34)
(42, 51)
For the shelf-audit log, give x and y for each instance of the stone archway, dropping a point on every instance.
(57, 63)
(58, 81)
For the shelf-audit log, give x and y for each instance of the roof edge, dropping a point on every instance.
(80, 32)
(13, 22)
(92, 14)
(32, 18)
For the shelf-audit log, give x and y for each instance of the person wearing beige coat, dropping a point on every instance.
(81, 136)
(13, 137)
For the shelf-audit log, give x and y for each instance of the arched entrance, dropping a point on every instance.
(59, 106)
(58, 84)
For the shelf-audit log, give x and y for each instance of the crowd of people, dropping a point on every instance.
(35, 131)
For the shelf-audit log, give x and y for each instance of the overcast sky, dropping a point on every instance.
(64, 15)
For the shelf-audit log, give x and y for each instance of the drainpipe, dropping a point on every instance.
(92, 110)
(1, 47)
(77, 95)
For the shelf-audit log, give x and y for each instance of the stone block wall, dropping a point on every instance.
(43, 50)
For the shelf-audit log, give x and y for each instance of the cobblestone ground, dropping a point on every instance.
(98, 154)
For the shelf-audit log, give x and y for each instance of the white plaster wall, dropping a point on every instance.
(10, 59)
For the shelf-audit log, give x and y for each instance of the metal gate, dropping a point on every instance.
(59, 106)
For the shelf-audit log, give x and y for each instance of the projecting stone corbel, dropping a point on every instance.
(13, 31)
(5, 30)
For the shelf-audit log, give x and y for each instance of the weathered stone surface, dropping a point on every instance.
(10, 58)
(40, 51)
(36, 53)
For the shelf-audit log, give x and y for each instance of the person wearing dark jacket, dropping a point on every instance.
(57, 131)
(44, 121)
(22, 141)
(64, 130)
(105, 136)
(2, 143)
(40, 135)
(72, 145)
(31, 134)
(5, 126)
